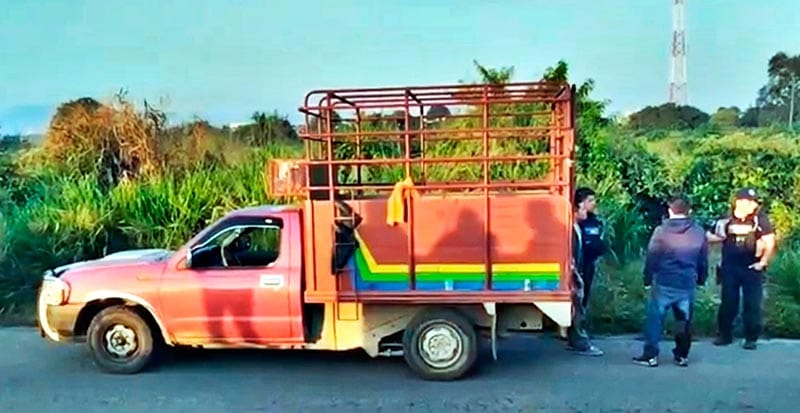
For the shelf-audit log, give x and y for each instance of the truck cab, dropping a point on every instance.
(405, 248)
(238, 281)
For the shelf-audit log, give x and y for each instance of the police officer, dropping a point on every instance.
(748, 243)
(592, 239)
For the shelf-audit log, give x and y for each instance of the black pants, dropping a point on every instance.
(589, 268)
(577, 337)
(736, 281)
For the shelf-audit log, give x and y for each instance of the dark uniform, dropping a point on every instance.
(736, 277)
(577, 338)
(593, 248)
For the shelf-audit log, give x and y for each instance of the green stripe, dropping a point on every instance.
(368, 276)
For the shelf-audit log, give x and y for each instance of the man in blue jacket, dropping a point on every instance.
(676, 263)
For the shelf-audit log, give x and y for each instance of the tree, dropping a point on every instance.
(65, 110)
(668, 116)
(784, 77)
(491, 76)
(111, 141)
(267, 129)
(8, 142)
(775, 98)
(590, 111)
(437, 112)
(726, 117)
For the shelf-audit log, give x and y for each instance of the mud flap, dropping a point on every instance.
(491, 310)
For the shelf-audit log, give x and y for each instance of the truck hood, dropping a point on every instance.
(129, 257)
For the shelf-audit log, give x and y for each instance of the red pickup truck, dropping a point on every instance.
(387, 247)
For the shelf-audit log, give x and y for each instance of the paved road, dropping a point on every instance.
(532, 375)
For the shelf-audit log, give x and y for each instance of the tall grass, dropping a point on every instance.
(75, 219)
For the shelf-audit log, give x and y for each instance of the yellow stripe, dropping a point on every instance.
(374, 267)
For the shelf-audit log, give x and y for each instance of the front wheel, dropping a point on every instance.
(440, 345)
(120, 341)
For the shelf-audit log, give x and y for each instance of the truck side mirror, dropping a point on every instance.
(188, 258)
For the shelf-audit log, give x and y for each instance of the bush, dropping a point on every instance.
(709, 169)
(782, 307)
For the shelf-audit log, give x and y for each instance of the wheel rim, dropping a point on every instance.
(440, 346)
(120, 341)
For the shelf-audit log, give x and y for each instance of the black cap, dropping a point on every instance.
(747, 193)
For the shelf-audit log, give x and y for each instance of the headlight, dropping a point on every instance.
(55, 291)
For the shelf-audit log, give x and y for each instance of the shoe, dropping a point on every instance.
(679, 360)
(592, 351)
(749, 345)
(646, 361)
(722, 341)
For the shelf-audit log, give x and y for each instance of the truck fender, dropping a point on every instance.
(110, 294)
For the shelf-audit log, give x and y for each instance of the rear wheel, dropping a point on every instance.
(121, 342)
(440, 345)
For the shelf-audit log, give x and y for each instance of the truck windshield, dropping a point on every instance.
(205, 232)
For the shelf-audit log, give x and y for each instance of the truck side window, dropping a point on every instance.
(253, 247)
(240, 247)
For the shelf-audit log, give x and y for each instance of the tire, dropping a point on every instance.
(120, 323)
(449, 328)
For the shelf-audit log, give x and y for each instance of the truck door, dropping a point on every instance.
(241, 283)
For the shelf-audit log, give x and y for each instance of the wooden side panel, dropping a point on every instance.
(528, 237)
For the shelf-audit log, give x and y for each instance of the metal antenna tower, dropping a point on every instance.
(677, 79)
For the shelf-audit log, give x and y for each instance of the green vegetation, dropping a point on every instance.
(112, 176)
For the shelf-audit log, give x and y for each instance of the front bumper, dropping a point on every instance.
(57, 322)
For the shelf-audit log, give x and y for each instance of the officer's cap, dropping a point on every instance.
(747, 193)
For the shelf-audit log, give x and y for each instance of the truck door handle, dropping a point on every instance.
(273, 282)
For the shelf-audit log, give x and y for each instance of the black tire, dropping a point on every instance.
(460, 330)
(120, 322)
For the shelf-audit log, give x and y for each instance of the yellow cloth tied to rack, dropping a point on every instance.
(396, 205)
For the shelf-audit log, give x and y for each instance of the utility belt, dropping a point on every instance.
(718, 268)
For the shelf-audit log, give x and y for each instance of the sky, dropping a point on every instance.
(224, 59)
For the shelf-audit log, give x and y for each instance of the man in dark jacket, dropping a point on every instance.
(676, 263)
(577, 338)
(592, 243)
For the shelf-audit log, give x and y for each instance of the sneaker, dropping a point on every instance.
(592, 351)
(678, 359)
(646, 361)
(681, 361)
(749, 345)
(722, 341)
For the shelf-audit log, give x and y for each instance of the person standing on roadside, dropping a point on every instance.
(577, 337)
(676, 263)
(748, 244)
(593, 246)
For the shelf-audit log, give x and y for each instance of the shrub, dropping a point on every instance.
(782, 307)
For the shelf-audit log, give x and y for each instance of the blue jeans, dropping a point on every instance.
(662, 299)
